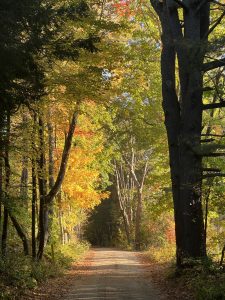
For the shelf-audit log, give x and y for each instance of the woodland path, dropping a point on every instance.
(113, 275)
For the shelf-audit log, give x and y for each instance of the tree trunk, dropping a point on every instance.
(51, 146)
(34, 187)
(43, 207)
(222, 256)
(5, 231)
(21, 234)
(138, 221)
(65, 156)
(7, 179)
(1, 168)
(60, 218)
(7, 212)
(33, 208)
(47, 199)
(1, 185)
(124, 199)
(24, 173)
(183, 118)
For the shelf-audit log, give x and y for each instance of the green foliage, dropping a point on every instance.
(210, 288)
(103, 225)
(19, 273)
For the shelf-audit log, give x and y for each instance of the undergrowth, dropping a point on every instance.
(201, 279)
(162, 254)
(18, 272)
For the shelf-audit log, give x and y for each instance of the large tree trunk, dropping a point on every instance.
(183, 118)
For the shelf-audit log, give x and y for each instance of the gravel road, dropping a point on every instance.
(113, 275)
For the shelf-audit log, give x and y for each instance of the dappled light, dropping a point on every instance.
(112, 146)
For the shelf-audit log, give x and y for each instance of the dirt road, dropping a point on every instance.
(112, 275)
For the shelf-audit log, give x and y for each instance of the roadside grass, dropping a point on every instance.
(200, 280)
(19, 273)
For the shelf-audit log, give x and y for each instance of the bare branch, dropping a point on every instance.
(65, 156)
(213, 65)
(213, 175)
(211, 170)
(215, 154)
(208, 89)
(216, 23)
(144, 174)
(218, 3)
(213, 105)
(207, 140)
(211, 134)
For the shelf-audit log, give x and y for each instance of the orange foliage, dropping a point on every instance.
(122, 8)
(170, 233)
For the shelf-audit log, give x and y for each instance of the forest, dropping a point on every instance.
(112, 134)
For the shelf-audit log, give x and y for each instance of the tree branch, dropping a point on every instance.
(65, 156)
(218, 3)
(217, 22)
(213, 175)
(211, 170)
(213, 65)
(207, 140)
(215, 154)
(211, 134)
(213, 105)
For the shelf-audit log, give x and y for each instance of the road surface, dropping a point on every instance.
(112, 275)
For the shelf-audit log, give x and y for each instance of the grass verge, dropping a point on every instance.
(202, 280)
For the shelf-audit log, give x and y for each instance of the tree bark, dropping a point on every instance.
(60, 218)
(43, 207)
(4, 231)
(183, 118)
(1, 182)
(34, 188)
(51, 146)
(24, 173)
(123, 187)
(33, 208)
(20, 233)
(222, 256)
(7, 179)
(7, 212)
(138, 221)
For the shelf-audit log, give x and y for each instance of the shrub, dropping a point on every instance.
(20, 272)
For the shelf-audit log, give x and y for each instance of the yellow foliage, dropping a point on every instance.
(81, 183)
